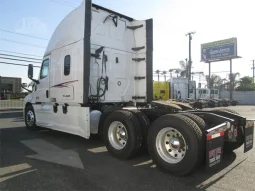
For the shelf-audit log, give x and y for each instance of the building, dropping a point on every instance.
(10, 85)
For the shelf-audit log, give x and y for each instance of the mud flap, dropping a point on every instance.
(214, 145)
(249, 134)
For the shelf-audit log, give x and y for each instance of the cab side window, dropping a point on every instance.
(45, 69)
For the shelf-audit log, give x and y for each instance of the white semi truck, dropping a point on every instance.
(96, 78)
(180, 87)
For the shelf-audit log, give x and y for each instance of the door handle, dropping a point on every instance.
(47, 93)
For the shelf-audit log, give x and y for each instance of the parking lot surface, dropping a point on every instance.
(50, 160)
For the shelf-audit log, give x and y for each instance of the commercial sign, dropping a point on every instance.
(219, 50)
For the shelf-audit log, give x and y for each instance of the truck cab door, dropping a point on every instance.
(42, 106)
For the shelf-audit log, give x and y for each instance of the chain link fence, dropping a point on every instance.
(12, 101)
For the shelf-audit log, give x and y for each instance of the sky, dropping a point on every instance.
(211, 20)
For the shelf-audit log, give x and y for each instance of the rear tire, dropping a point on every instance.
(229, 147)
(122, 134)
(198, 120)
(231, 111)
(201, 124)
(227, 110)
(189, 138)
(145, 124)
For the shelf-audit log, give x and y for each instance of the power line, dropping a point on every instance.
(19, 56)
(22, 43)
(8, 63)
(220, 72)
(23, 34)
(63, 3)
(20, 53)
(19, 60)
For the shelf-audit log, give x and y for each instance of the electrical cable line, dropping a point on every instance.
(63, 3)
(24, 34)
(19, 60)
(20, 53)
(8, 63)
(19, 57)
(22, 43)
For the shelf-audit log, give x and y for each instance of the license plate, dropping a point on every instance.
(249, 134)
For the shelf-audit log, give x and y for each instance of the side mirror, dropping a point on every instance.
(30, 71)
(24, 85)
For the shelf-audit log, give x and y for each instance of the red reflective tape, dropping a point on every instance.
(209, 137)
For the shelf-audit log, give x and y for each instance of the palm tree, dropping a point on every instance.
(184, 69)
(157, 72)
(233, 78)
(213, 81)
(164, 73)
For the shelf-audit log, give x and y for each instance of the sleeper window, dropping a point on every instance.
(67, 65)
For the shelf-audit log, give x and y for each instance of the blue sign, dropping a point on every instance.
(219, 50)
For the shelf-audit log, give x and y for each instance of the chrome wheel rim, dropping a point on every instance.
(171, 145)
(117, 135)
(30, 118)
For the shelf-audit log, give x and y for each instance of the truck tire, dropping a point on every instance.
(231, 111)
(201, 124)
(30, 119)
(229, 147)
(174, 143)
(198, 120)
(228, 110)
(145, 124)
(122, 134)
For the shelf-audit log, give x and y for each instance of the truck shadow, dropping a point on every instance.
(138, 173)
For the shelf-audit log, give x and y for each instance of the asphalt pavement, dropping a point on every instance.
(50, 160)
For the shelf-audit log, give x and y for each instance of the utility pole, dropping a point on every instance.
(253, 70)
(231, 81)
(0, 87)
(190, 61)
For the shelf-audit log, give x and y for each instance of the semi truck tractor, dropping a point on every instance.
(96, 78)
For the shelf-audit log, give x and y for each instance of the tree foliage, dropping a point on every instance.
(234, 78)
(214, 81)
(184, 71)
(246, 84)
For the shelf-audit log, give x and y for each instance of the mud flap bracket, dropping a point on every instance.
(215, 144)
(249, 134)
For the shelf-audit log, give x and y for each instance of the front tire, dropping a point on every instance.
(122, 134)
(30, 119)
(174, 143)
